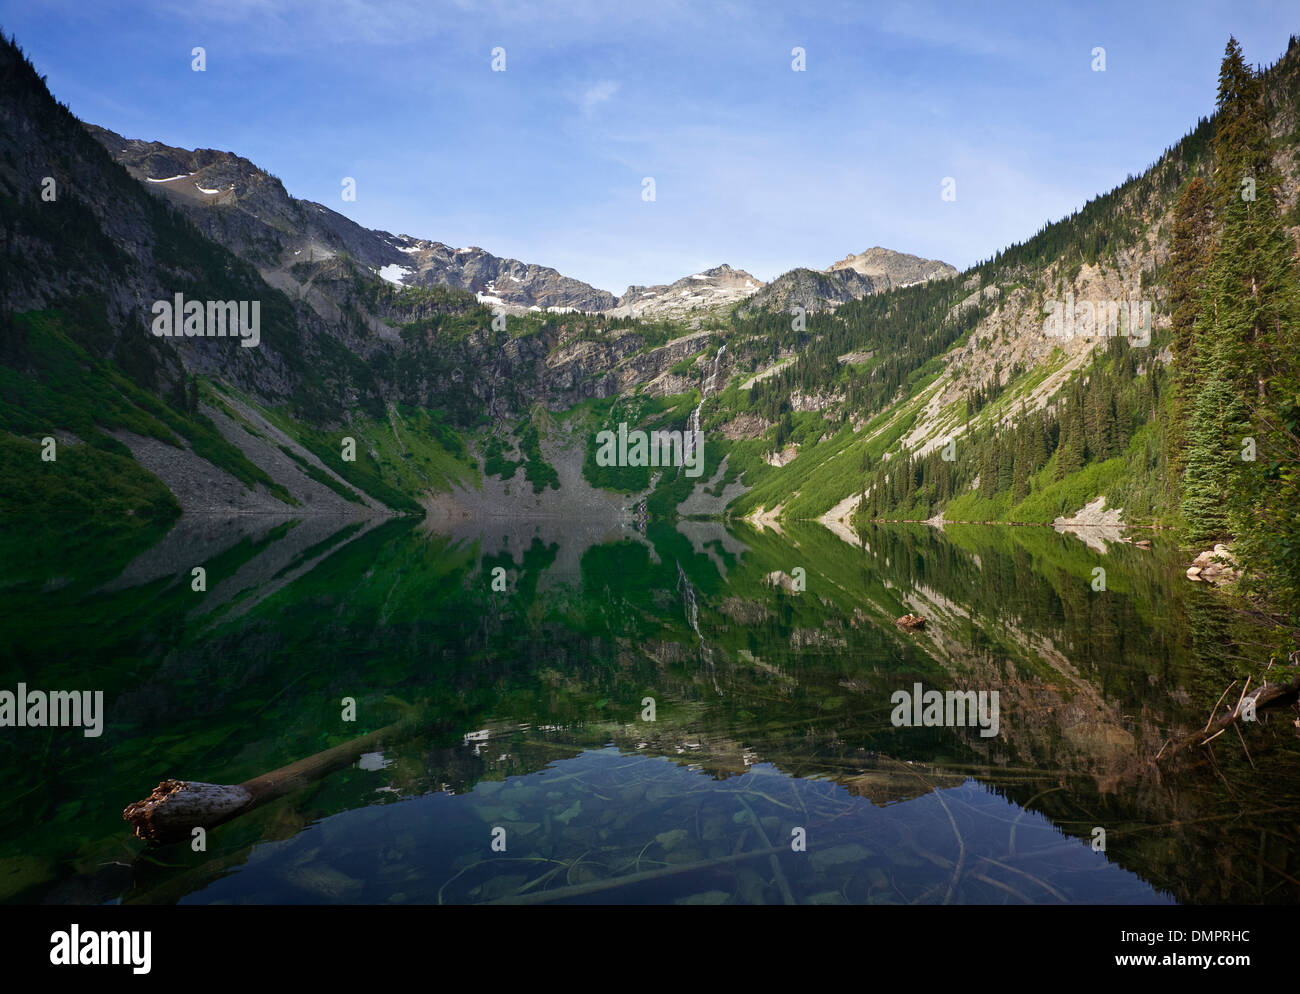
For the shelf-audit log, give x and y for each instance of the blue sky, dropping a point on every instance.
(754, 164)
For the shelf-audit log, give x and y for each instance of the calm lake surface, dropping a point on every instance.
(772, 717)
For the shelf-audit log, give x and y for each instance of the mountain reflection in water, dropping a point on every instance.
(770, 773)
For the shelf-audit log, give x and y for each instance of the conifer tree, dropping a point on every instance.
(1190, 255)
(1020, 483)
(1217, 413)
(1006, 464)
(1246, 345)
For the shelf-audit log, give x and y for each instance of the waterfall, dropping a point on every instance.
(693, 422)
(688, 600)
(685, 588)
(713, 373)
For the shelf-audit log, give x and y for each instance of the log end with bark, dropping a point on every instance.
(175, 807)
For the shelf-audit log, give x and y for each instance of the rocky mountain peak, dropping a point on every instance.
(720, 286)
(888, 269)
(812, 290)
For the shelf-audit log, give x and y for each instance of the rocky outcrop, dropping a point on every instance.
(782, 579)
(745, 426)
(1095, 525)
(580, 361)
(785, 456)
(800, 401)
(815, 638)
(649, 365)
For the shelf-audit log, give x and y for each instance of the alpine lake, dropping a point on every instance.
(603, 714)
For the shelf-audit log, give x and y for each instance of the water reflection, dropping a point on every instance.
(771, 712)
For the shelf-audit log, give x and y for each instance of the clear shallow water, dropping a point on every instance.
(772, 717)
(575, 832)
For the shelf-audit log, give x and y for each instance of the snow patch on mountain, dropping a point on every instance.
(395, 273)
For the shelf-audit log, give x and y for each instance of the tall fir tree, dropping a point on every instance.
(1246, 345)
(1220, 333)
(1020, 477)
(1217, 414)
(1190, 256)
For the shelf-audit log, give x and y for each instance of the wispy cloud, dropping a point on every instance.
(598, 93)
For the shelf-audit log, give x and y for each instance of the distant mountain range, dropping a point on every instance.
(249, 211)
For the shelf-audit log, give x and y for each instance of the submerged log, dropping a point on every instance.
(177, 807)
(1264, 696)
(595, 886)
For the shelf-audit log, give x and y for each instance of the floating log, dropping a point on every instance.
(177, 807)
(1269, 693)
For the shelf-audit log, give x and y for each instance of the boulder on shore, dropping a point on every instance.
(1217, 566)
